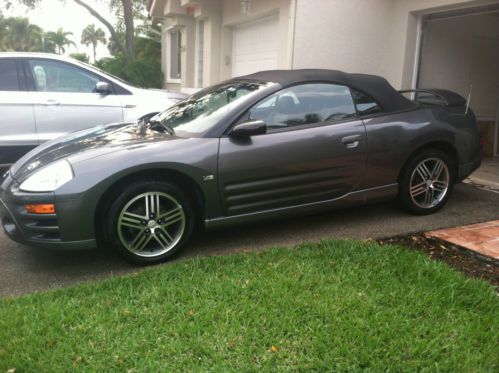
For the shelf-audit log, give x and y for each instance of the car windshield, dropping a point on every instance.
(199, 113)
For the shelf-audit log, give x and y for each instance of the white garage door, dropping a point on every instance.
(254, 46)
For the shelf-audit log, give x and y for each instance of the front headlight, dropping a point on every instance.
(48, 178)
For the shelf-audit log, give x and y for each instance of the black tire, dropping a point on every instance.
(417, 204)
(129, 202)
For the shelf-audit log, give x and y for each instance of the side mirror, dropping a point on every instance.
(248, 129)
(103, 88)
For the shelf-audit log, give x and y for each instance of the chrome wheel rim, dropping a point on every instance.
(429, 183)
(151, 224)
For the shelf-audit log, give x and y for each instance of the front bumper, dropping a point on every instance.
(33, 229)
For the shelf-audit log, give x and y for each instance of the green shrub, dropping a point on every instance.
(80, 57)
(113, 65)
(144, 71)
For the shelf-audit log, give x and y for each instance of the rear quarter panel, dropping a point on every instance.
(392, 139)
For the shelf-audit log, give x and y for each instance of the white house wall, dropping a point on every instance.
(353, 36)
(220, 17)
(232, 16)
(186, 25)
(369, 36)
(212, 51)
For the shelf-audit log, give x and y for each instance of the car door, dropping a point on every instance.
(314, 150)
(65, 99)
(17, 121)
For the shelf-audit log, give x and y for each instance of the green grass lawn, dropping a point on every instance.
(338, 305)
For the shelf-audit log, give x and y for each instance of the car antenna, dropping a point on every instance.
(469, 99)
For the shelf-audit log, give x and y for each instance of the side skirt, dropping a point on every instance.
(358, 197)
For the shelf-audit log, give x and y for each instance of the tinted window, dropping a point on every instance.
(51, 76)
(305, 104)
(365, 104)
(8, 76)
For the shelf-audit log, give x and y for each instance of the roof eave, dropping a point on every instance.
(157, 8)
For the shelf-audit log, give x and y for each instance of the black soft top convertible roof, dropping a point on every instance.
(375, 86)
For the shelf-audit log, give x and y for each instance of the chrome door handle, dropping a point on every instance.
(351, 141)
(52, 103)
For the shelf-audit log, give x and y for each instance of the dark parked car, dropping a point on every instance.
(262, 146)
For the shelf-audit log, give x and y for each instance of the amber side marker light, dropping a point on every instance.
(41, 208)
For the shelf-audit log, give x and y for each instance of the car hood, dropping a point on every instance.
(86, 144)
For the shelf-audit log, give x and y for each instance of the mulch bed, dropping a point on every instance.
(466, 261)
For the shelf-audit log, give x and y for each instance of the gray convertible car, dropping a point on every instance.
(262, 146)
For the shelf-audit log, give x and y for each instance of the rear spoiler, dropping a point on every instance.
(437, 96)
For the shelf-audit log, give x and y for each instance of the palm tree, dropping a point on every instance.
(3, 32)
(60, 39)
(92, 35)
(21, 36)
(47, 44)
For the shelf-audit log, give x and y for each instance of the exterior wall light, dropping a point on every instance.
(245, 7)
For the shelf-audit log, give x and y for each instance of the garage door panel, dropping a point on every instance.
(255, 46)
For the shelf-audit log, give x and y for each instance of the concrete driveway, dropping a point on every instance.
(488, 173)
(25, 270)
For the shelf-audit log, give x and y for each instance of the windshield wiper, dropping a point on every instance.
(142, 124)
(155, 123)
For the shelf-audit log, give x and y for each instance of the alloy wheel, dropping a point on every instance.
(151, 224)
(429, 183)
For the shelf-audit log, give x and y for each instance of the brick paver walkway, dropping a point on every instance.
(482, 238)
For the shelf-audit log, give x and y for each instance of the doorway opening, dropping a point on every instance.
(459, 51)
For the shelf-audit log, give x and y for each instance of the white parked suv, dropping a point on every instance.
(43, 96)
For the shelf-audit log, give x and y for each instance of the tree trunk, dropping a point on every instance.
(94, 45)
(129, 30)
(112, 31)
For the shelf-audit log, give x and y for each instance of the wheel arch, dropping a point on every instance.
(446, 147)
(185, 182)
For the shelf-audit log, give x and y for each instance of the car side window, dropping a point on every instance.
(305, 104)
(8, 75)
(365, 104)
(52, 76)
